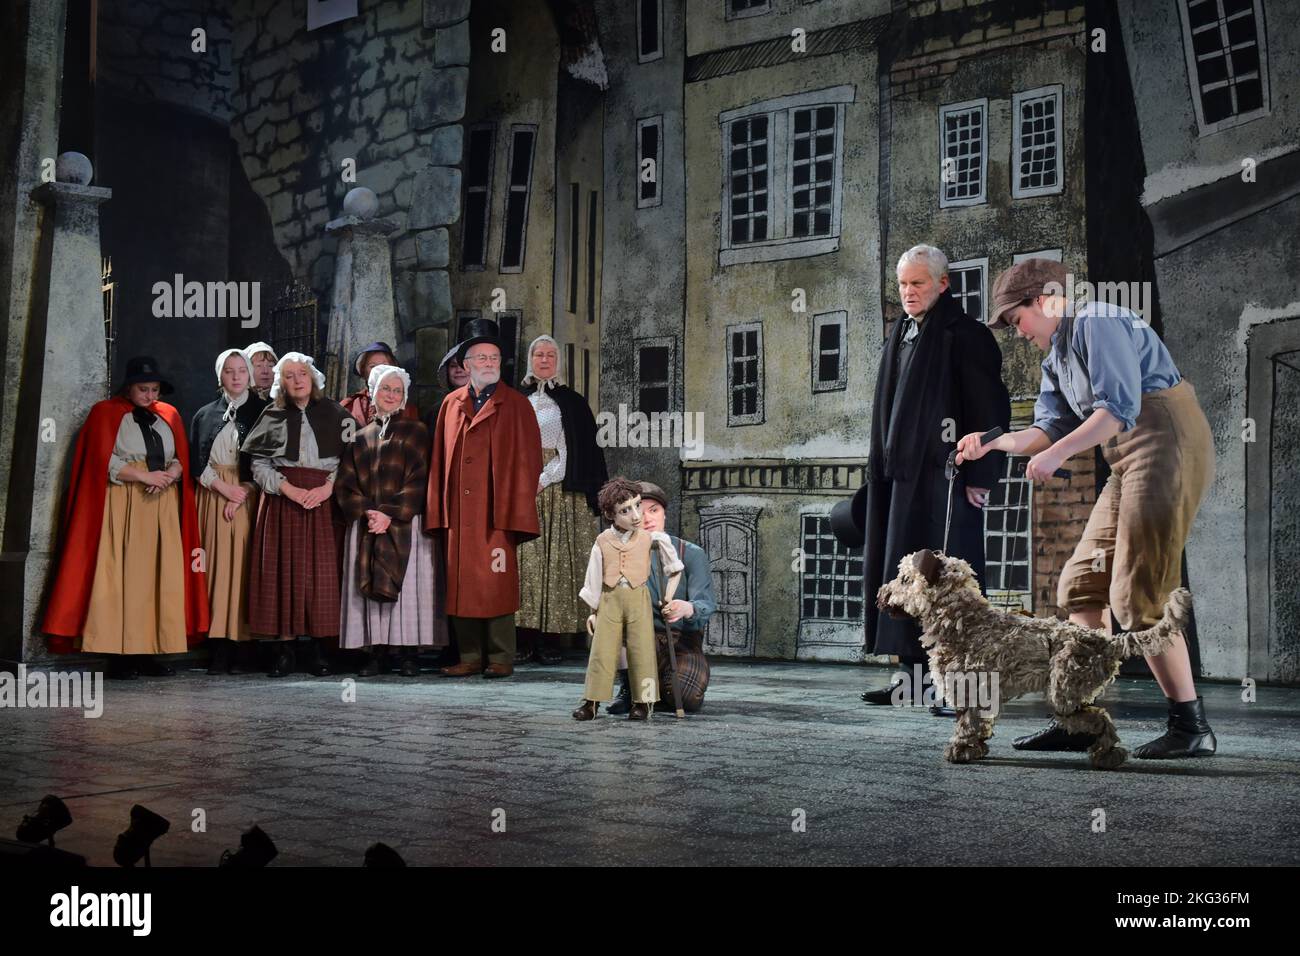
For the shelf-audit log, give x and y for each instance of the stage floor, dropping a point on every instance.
(423, 764)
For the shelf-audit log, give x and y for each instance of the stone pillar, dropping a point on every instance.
(65, 372)
(362, 308)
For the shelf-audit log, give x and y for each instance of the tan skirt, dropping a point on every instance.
(137, 598)
(227, 546)
(552, 567)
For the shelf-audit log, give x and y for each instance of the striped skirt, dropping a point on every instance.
(226, 544)
(416, 619)
(294, 569)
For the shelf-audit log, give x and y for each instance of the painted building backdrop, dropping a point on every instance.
(703, 201)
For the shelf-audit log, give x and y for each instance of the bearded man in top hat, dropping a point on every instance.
(940, 377)
(486, 461)
(358, 403)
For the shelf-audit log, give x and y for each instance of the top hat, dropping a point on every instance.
(372, 347)
(849, 520)
(476, 332)
(144, 368)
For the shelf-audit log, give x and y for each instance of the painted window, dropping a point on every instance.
(830, 367)
(654, 374)
(649, 30)
(1227, 61)
(963, 144)
(649, 146)
(1053, 254)
(521, 177)
(968, 281)
(832, 577)
(746, 8)
(1036, 159)
(745, 374)
(575, 222)
(477, 199)
(783, 175)
(1008, 537)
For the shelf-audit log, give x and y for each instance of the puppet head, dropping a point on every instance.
(620, 502)
(927, 582)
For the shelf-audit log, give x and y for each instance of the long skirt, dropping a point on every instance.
(137, 597)
(552, 567)
(294, 569)
(416, 619)
(226, 545)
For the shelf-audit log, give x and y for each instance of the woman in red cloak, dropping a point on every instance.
(130, 581)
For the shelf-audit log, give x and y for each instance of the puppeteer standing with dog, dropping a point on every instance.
(1108, 380)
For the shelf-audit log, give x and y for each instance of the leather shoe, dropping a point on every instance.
(639, 711)
(942, 710)
(885, 695)
(586, 710)
(1187, 734)
(463, 669)
(410, 666)
(1056, 739)
(284, 661)
(498, 670)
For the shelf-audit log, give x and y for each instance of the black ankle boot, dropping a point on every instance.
(255, 850)
(316, 664)
(1055, 738)
(1187, 734)
(410, 666)
(622, 701)
(282, 661)
(219, 661)
(134, 842)
(370, 667)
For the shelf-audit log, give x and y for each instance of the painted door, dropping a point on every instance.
(731, 546)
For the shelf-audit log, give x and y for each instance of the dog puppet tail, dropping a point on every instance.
(1155, 640)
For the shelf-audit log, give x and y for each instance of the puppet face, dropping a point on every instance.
(1037, 319)
(627, 515)
(295, 379)
(652, 515)
(918, 289)
(389, 394)
(263, 370)
(457, 374)
(484, 364)
(546, 361)
(234, 375)
(371, 359)
(143, 394)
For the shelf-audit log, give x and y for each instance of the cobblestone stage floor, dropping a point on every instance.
(423, 763)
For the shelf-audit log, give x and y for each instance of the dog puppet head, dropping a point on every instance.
(926, 581)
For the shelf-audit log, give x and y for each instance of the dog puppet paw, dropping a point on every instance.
(1108, 759)
(965, 752)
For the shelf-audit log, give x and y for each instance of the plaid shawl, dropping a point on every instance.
(389, 475)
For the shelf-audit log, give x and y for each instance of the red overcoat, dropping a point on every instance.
(83, 516)
(483, 496)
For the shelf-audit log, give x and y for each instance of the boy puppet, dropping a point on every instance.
(615, 588)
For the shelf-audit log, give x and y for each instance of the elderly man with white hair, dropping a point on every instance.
(940, 377)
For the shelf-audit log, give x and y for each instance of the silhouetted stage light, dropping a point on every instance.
(383, 856)
(134, 842)
(255, 849)
(50, 817)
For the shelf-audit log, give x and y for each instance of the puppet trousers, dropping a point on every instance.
(624, 614)
(1130, 556)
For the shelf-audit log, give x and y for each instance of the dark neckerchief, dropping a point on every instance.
(155, 459)
(480, 398)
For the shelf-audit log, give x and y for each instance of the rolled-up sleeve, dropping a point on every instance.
(1113, 369)
(1052, 413)
(667, 554)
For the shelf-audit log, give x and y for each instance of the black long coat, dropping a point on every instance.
(955, 373)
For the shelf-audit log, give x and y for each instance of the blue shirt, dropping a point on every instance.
(1102, 356)
(695, 586)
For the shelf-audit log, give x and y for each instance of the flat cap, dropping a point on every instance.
(1025, 280)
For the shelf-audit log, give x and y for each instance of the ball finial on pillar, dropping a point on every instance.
(361, 202)
(73, 168)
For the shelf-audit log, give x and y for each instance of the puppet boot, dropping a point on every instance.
(586, 710)
(1188, 734)
(623, 699)
(639, 711)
